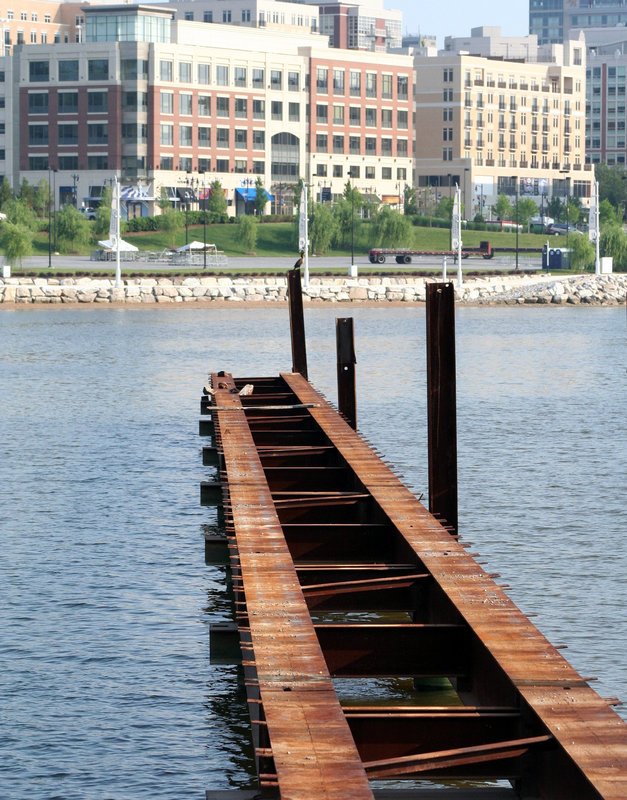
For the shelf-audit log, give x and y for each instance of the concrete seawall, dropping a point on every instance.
(507, 289)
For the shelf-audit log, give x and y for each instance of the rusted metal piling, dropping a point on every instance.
(350, 595)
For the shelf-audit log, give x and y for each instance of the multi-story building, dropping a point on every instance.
(554, 21)
(174, 104)
(269, 14)
(606, 86)
(490, 124)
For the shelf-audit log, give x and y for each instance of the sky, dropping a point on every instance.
(456, 17)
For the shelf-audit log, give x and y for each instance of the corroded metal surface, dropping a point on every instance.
(341, 575)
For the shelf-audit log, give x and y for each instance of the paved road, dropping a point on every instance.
(324, 262)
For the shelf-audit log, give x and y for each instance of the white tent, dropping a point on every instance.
(195, 245)
(125, 247)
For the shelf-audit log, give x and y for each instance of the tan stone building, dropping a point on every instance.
(492, 125)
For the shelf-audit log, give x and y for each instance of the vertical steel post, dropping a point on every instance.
(346, 399)
(297, 322)
(441, 402)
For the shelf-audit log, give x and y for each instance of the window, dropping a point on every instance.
(185, 72)
(38, 71)
(131, 69)
(204, 164)
(322, 114)
(240, 76)
(259, 168)
(166, 136)
(98, 162)
(258, 79)
(401, 148)
(165, 71)
(386, 117)
(354, 117)
(371, 117)
(222, 106)
(354, 172)
(11, 15)
(47, 17)
(37, 134)
(222, 75)
(97, 133)
(67, 162)
(276, 110)
(322, 80)
(401, 119)
(241, 107)
(369, 173)
(338, 144)
(293, 81)
(204, 136)
(38, 162)
(98, 69)
(386, 86)
(67, 102)
(23, 16)
(97, 102)
(185, 103)
(259, 139)
(241, 138)
(354, 145)
(371, 146)
(38, 103)
(246, 15)
(259, 109)
(371, 84)
(337, 170)
(401, 173)
(204, 74)
(222, 164)
(338, 115)
(226, 16)
(355, 83)
(321, 170)
(166, 103)
(207, 16)
(276, 79)
(185, 135)
(386, 147)
(185, 163)
(68, 134)
(189, 16)
(133, 132)
(222, 137)
(293, 112)
(204, 105)
(386, 173)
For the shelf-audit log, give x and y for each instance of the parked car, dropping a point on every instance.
(88, 212)
(561, 229)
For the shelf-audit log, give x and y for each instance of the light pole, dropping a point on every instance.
(74, 193)
(516, 189)
(204, 223)
(49, 222)
(450, 197)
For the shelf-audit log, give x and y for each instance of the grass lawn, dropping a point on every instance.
(277, 239)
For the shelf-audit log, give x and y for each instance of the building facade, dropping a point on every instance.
(554, 21)
(496, 126)
(174, 105)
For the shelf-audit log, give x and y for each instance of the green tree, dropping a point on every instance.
(41, 198)
(526, 210)
(612, 185)
(16, 241)
(103, 215)
(5, 191)
(573, 210)
(217, 199)
(73, 229)
(353, 195)
(19, 213)
(444, 208)
(261, 197)
(411, 206)
(555, 208)
(171, 221)
(322, 229)
(503, 208)
(347, 222)
(390, 228)
(607, 213)
(164, 200)
(27, 193)
(613, 242)
(247, 230)
(582, 252)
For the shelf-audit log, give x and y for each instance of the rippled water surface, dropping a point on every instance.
(106, 688)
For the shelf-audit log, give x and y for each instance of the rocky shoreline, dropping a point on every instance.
(604, 290)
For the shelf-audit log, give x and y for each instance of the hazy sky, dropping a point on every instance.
(456, 17)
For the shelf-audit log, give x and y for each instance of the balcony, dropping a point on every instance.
(479, 82)
(502, 85)
(576, 166)
(513, 126)
(555, 165)
(489, 162)
(524, 164)
(490, 83)
(587, 167)
(524, 86)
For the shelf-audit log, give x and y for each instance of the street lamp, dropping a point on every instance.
(74, 193)
(204, 222)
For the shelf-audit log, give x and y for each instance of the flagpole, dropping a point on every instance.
(457, 232)
(115, 210)
(303, 234)
(593, 226)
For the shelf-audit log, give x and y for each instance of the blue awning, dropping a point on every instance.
(250, 194)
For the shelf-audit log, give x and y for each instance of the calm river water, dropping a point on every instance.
(106, 687)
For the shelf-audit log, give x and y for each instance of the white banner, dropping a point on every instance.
(302, 220)
(593, 222)
(114, 224)
(456, 224)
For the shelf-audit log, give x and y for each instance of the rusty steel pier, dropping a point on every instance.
(342, 578)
